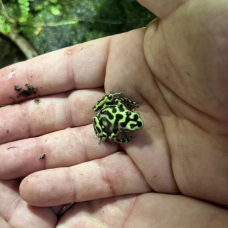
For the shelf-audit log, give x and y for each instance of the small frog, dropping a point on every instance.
(115, 118)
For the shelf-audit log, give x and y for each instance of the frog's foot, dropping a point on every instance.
(128, 101)
(102, 138)
(122, 139)
(108, 141)
(115, 94)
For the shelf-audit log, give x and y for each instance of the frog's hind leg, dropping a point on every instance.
(123, 139)
(116, 95)
(128, 101)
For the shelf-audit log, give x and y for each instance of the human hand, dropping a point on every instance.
(183, 102)
(146, 210)
(16, 213)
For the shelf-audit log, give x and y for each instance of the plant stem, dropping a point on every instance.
(5, 14)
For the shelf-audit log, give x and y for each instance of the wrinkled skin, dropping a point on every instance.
(176, 69)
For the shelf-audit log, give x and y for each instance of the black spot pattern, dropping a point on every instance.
(110, 116)
(107, 113)
(114, 110)
(121, 108)
(128, 119)
(96, 129)
(117, 120)
(115, 131)
(139, 123)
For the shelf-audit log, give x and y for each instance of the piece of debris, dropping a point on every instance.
(42, 156)
(25, 92)
(7, 131)
(17, 88)
(37, 101)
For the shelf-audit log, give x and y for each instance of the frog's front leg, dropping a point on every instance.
(123, 139)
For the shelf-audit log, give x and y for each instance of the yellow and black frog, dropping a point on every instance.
(114, 118)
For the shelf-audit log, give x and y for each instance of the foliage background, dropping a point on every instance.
(31, 27)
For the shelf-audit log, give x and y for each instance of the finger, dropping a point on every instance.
(110, 176)
(3, 223)
(52, 113)
(60, 149)
(162, 8)
(79, 66)
(17, 213)
(158, 210)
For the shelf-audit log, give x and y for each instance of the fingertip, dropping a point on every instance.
(43, 189)
(28, 189)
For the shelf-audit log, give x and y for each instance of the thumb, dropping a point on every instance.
(161, 8)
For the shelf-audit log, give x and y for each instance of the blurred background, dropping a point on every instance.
(32, 27)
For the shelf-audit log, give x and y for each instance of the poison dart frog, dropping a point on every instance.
(114, 118)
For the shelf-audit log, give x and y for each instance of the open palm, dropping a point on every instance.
(176, 69)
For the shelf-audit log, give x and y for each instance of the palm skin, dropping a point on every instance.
(176, 69)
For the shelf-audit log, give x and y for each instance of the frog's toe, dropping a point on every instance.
(108, 141)
(131, 136)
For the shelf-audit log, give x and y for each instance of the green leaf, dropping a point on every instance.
(5, 28)
(38, 7)
(24, 8)
(26, 4)
(2, 21)
(54, 1)
(45, 3)
(59, 6)
(22, 19)
(55, 11)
